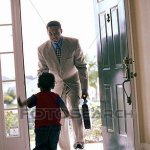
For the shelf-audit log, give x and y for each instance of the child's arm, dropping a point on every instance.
(64, 109)
(63, 106)
(30, 102)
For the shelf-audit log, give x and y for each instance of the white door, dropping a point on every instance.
(115, 77)
(13, 122)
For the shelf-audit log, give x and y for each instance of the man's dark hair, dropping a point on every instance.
(54, 24)
(46, 81)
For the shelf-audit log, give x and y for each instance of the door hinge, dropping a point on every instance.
(108, 17)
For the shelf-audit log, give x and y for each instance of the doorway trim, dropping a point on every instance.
(19, 70)
(133, 81)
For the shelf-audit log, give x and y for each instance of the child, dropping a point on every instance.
(48, 114)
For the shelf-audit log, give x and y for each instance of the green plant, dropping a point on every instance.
(94, 134)
(9, 96)
(11, 92)
(11, 120)
(8, 99)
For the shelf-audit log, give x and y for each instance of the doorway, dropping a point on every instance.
(77, 19)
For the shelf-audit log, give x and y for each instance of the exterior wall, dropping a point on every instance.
(140, 22)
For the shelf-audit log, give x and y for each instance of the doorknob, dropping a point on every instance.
(127, 61)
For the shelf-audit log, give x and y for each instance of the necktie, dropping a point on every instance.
(58, 52)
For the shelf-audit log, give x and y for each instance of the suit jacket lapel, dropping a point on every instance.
(63, 48)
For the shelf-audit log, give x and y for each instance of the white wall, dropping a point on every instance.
(140, 13)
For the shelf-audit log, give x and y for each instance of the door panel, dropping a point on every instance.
(13, 127)
(117, 119)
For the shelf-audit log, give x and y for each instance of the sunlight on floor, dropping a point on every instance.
(87, 146)
(90, 146)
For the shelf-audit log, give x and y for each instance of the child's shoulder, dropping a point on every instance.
(54, 93)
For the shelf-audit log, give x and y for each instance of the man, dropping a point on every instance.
(63, 57)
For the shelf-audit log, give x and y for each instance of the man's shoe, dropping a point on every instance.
(79, 145)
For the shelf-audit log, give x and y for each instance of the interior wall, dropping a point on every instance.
(140, 20)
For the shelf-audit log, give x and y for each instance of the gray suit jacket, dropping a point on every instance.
(72, 68)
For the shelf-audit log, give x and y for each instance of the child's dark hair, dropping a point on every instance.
(46, 81)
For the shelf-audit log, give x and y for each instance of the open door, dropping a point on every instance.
(13, 122)
(114, 74)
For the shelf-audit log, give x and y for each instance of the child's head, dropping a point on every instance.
(46, 81)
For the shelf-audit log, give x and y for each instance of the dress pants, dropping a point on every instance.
(71, 97)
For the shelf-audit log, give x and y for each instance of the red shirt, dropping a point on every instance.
(47, 108)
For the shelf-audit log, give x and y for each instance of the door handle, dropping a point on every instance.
(128, 96)
(126, 62)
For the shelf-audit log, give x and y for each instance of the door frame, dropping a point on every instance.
(132, 69)
(19, 69)
(21, 141)
(2, 135)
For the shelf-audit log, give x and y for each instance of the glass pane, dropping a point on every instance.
(7, 61)
(9, 95)
(5, 9)
(11, 123)
(6, 39)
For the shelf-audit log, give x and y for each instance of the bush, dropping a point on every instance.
(94, 134)
(8, 99)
